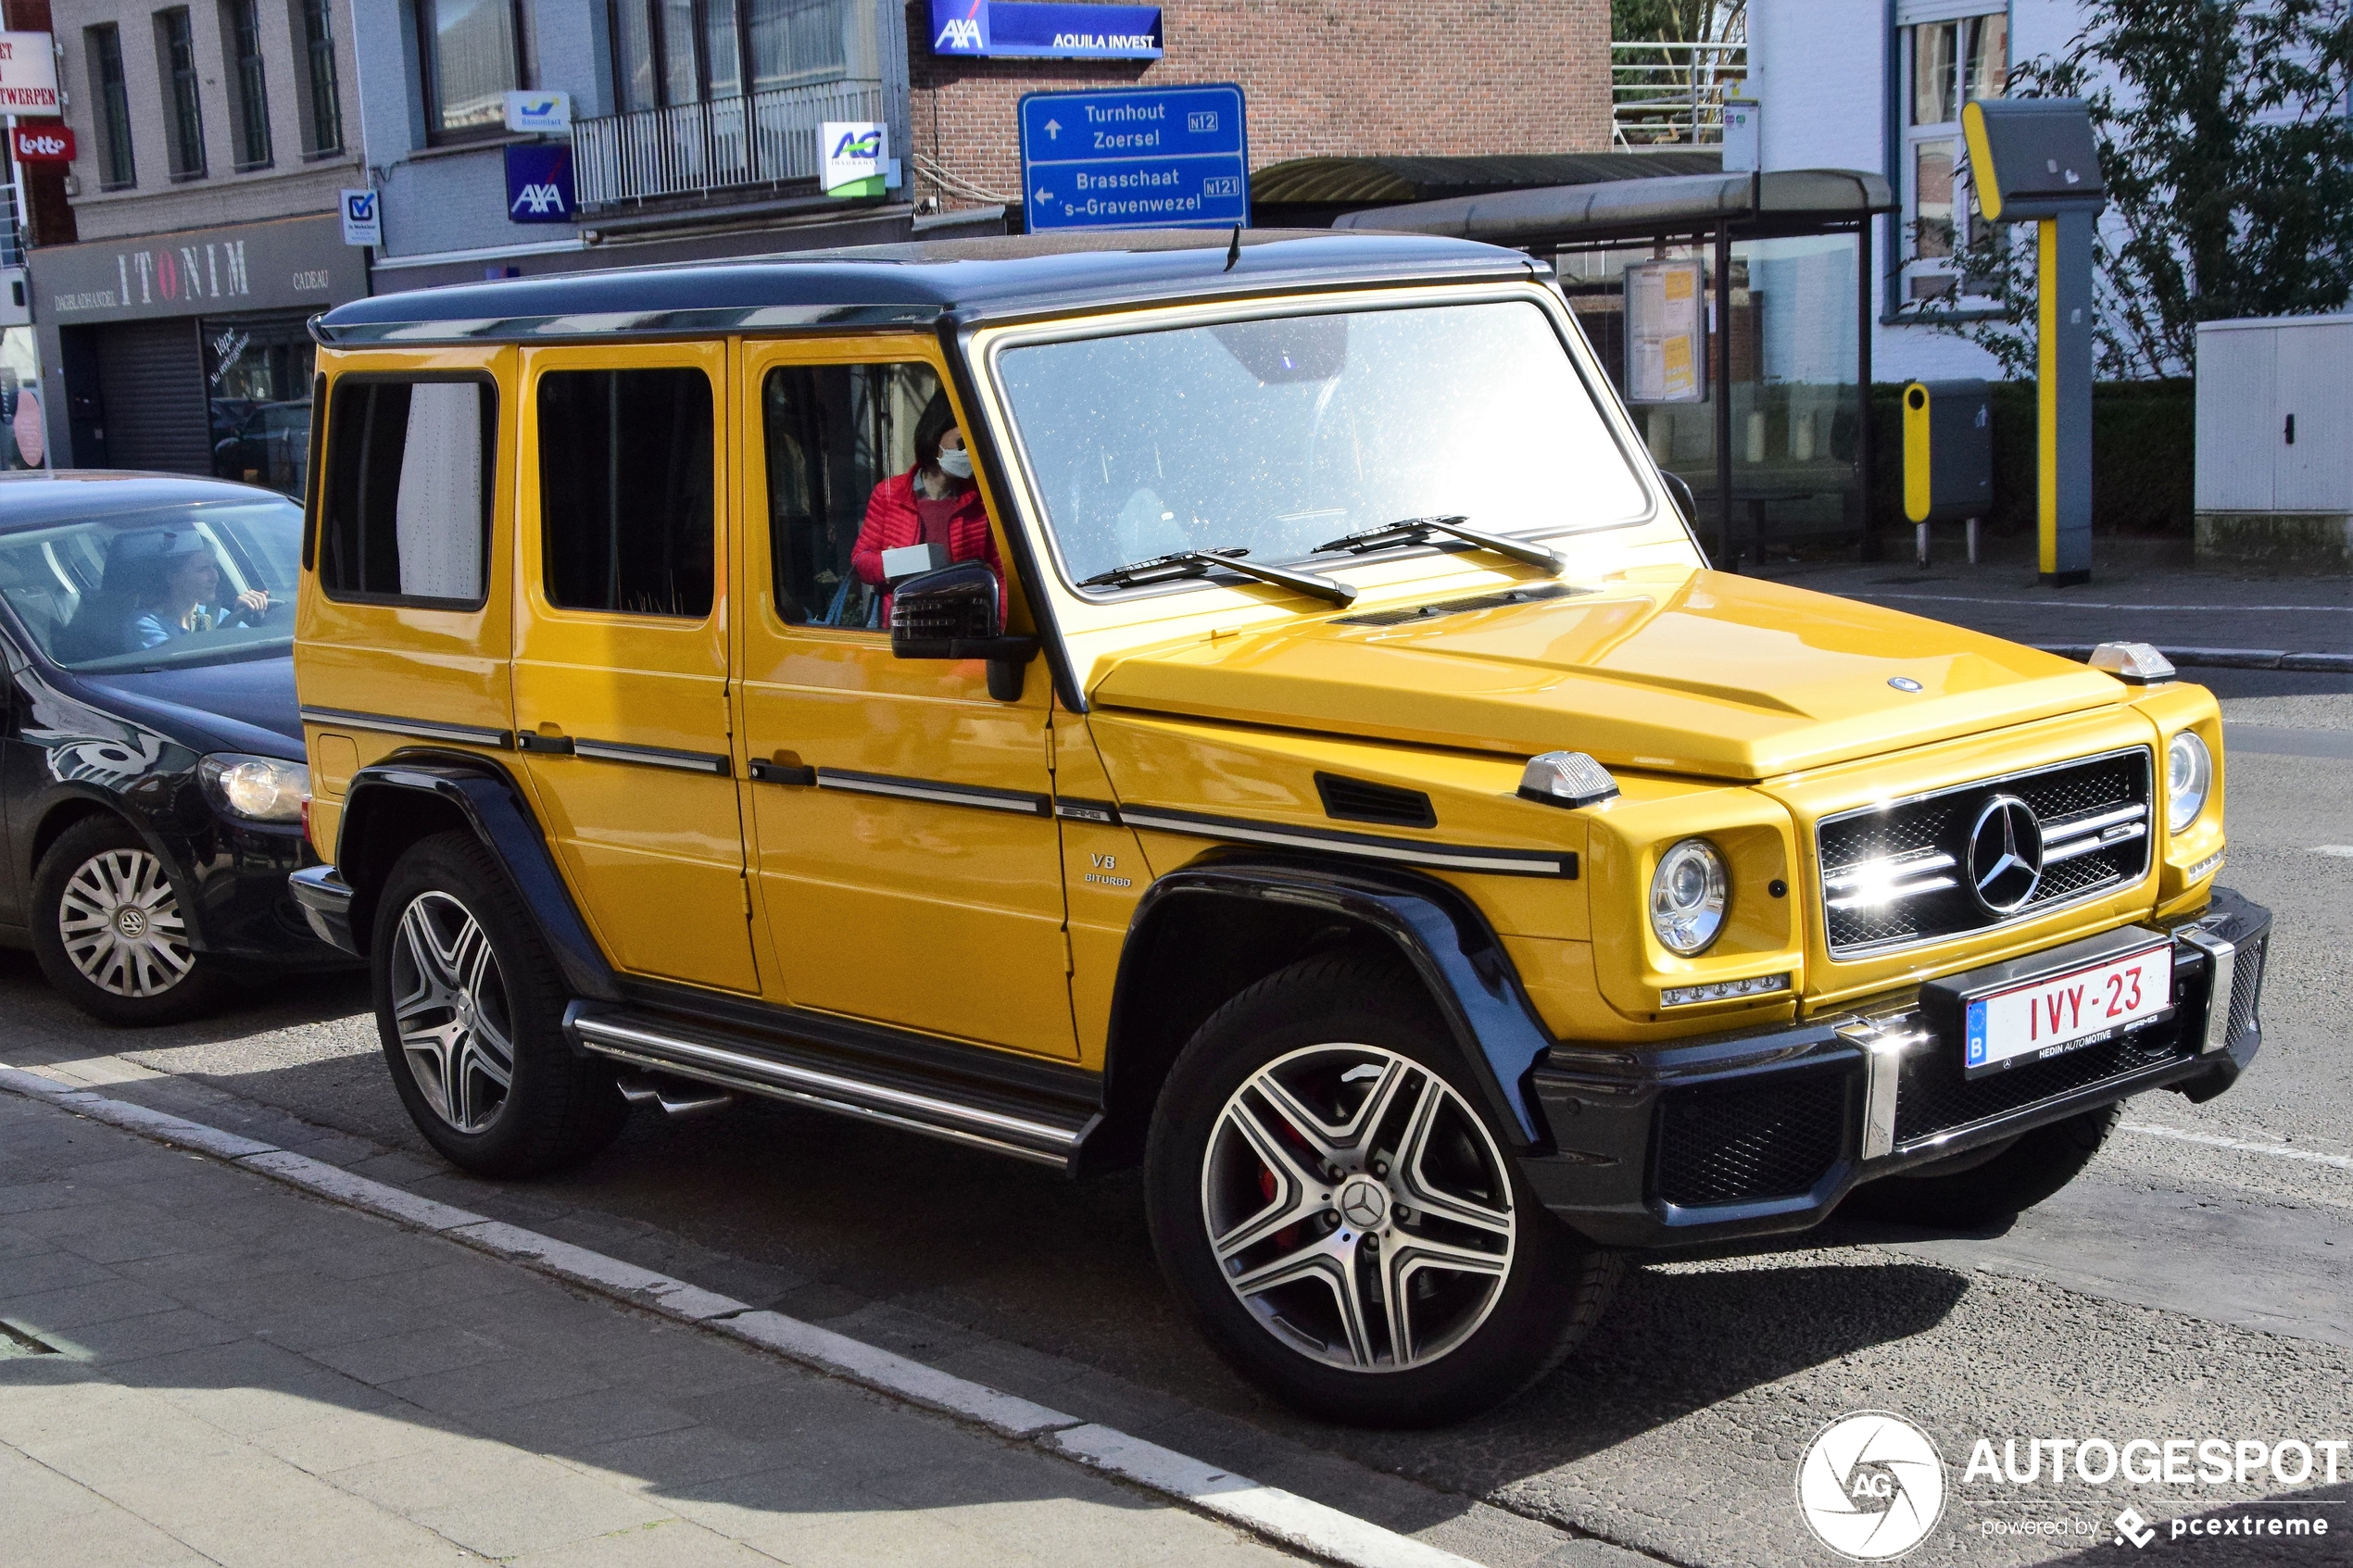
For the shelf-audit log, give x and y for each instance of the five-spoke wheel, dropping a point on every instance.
(449, 1005)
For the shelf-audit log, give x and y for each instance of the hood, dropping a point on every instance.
(1670, 669)
(247, 705)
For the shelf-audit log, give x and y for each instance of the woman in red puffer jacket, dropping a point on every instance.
(934, 502)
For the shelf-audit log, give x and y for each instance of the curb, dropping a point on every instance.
(1269, 1513)
(2228, 659)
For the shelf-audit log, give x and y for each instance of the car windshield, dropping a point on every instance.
(1278, 435)
(175, 586)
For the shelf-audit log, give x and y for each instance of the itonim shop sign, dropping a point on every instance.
(28, 73)
(284, 264)
(1026, 29)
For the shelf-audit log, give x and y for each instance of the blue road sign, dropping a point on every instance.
(1173, 157)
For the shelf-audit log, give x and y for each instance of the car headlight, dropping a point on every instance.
(1687, 894)
(260, 789)
(2189, 773)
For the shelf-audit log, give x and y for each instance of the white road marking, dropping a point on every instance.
(2241, 1145)
(2342, 851)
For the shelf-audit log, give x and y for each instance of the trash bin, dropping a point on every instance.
(1948, 457)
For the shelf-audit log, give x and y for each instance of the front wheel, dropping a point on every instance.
(109, 930)
(1331, 1202)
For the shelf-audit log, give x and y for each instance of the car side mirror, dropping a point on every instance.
(1680, 490)
(953, 613)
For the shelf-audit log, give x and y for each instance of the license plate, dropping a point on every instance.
(2067, 1012)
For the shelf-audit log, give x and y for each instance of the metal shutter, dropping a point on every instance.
(151, 377)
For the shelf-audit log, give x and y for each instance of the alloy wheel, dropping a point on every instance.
(450, 1007)
(1358, 1208)
(119, 923)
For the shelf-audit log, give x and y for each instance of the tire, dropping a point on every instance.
(471, 1015)
(1424, 1182)
(108, 930)
(1986, 1192)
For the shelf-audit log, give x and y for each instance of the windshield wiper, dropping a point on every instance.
(1196, 563)
(1417, 529)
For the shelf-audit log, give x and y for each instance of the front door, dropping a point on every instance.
(621, 652)
(908, 863)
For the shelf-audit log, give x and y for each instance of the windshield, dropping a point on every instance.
(176, 586)
(1279, 436)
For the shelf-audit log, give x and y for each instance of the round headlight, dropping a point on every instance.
(262, 789)
(1688, 893)
(2189, 774)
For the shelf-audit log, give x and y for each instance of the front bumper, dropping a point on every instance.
(1753, 1134)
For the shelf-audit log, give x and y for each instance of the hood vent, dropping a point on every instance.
(1353, 800)
(1405, 615)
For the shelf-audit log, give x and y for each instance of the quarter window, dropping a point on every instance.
(833, 433)
(626, 495)
(404, 512)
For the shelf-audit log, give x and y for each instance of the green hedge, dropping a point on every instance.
(2143, 437)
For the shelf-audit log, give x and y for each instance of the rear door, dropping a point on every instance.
(620, 651)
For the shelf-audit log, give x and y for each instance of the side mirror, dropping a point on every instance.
(951, 613)
(1685, 502)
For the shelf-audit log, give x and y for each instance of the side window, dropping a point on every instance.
(404, 512)
(625, 491)
(833, 432)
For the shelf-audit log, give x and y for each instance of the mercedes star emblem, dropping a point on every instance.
(2005, 855)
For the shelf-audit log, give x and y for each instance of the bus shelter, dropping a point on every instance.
(1734, 314)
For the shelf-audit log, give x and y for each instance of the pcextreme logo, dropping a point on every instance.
(1871, 1486)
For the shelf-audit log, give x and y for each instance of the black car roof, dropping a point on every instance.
(34, 499)
(912, 284)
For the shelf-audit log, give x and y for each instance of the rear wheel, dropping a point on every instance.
(472, 1018)
(109, 930)
(1971, 1192)
(1346, 1226)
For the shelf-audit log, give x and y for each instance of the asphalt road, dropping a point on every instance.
(2197, 1283)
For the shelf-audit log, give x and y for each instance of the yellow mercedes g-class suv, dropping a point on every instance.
(1251, 710)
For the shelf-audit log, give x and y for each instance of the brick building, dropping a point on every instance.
(1322, 79)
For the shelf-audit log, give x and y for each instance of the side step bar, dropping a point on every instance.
(1047, 1135)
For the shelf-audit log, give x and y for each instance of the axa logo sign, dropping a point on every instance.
(539, 187)
(960, 27)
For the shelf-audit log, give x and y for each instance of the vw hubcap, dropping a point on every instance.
(1358, 1208)
(119, 923)
(449, 1002)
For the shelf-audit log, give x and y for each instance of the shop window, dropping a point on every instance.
(626, 498)
(258, 374)
(404, 512)
(1945, 61)
(249, 87)
(116, 170)
(321, 101)
(669, 52)
(183, 111)
(474, 54)
(833, 433)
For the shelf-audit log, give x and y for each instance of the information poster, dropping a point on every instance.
(1665, 335)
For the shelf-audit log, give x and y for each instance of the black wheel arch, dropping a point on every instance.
(1208, 930)
(392, 804)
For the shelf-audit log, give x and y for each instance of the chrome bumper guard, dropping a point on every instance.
(1753, 1134)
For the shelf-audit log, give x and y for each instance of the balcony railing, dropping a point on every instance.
(1672, 95)
(769, 138)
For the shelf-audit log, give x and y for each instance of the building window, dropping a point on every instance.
(1945, 64)
(322, 104)
(248, 91)
(116, 170)
(668, 51)
(474, 54)
(183, 114)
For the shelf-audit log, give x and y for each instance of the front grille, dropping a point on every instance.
(2247, 984)
(1931, 1096)
(1742, 1143)
(1933, 831)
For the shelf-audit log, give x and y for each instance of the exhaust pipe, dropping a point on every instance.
(676, 1097)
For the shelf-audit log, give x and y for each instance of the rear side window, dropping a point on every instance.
(625, 491)
(405, 515)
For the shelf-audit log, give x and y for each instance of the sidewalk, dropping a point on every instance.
(198, 1364)
(2142, 590)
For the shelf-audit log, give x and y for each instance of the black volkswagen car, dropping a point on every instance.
(151, 761)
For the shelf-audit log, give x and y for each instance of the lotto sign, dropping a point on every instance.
(28, 73)
(42, 144)
(539, 182)
(855, 153)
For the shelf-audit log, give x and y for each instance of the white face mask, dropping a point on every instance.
(955, 462)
